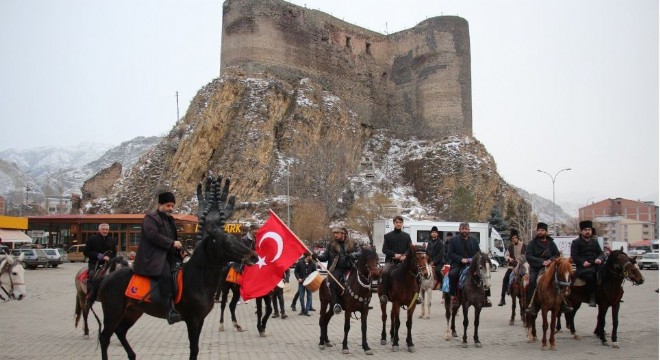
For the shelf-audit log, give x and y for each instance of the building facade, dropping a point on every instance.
(619, 228)
(641, 212)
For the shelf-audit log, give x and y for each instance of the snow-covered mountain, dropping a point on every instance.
(543, 208)
(53, 171)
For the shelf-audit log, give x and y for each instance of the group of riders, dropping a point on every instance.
(160, 250)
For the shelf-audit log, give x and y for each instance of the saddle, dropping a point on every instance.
(82, 278)
(143, 287)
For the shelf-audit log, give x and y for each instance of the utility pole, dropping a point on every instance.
(554, 205)
(177, 106)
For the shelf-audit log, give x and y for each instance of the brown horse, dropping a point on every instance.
(518, 291)
(81, 288)
(477, 282)
(355, 299)
(551, 289)
(402, 292)
(200, 276)
(618, 268)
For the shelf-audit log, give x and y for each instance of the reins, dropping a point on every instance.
(9, 293)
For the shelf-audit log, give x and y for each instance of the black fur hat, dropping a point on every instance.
(166, 197)
(514, 232)
(586, 224)
(542, 225)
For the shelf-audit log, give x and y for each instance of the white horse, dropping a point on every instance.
(426, 284)
(12, 278)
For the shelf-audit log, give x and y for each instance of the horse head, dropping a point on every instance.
(215, 207)
(12, 277)
(621, 264)
(480, 269)
(562, 270)
(423, 267)
(367, 263)
(116, 263)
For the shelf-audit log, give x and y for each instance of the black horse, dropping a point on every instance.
(618, 268)
(355, 299)
(477, 281)
(200, 276)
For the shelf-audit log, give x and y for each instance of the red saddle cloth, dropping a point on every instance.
(83, 276)
(139, 287)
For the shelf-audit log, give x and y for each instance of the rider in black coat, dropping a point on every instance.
(587, 256)
(99, 249)
(396, 247)
(340, 255)
(462, 248)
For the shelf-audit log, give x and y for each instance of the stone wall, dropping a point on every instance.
(416, 82)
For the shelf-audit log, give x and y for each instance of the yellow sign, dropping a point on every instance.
(12, 222)
(233, 228)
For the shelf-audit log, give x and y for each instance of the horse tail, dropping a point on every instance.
(91, 307)
(78, 312)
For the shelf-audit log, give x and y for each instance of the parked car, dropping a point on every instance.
(494, 265)
(75, 253)
(56, 256)
(33, 258)
(649, 261)
(4, 249)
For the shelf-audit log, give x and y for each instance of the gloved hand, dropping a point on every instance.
(315, 257)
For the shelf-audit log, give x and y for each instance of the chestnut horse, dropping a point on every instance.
(402, 292)
(200, 276)
(113, 264)
(355, 299)
(477, 282)
(551, 289)
(618, 268)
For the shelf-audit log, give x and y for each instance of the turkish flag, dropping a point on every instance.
(278, 248)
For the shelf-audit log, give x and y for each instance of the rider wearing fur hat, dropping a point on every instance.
(587, 256)
(340, 254)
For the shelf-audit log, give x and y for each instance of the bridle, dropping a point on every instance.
(558, 283)
(621, 271)
(365, 300)
(8, 292)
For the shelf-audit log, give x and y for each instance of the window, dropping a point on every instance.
(348, 41)
(368, 48)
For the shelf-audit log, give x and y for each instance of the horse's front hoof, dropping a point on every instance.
(464, 345)
(329, 344)
(454, 334)
(221, 327)
(368, 352)
(553, 348)
(605, 343)
(421, 317)
(477, 345)
(615, 345)
(557, 331)
(321, 347)
(544, 348)
(345, 351)
(411, 349)
(383, 342)
(86, 336)
(395, 348)
(427, 317)
(577, 337)
(262, 334)
(511, 322)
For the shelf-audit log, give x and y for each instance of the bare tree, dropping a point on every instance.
(310, 222)
(366, 210)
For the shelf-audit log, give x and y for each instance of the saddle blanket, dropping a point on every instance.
(140, 286)
(83, 276)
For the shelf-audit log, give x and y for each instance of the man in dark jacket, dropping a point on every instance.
(514, 255)
(158, 249)
(540, 252)
(249, 238)
(436, 252)
(99, 249)
(587, 256)
(340, 255)
(396, 247)
(462, 248)
(304, 267)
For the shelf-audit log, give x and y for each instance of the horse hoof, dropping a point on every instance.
(368, 352)
(262, 334)
(221, 327)
(557, 331)
(395, 348)
(321, 347)
(329, 344)
(615, 345)
(454, 334)
(86, 336)
(577, 337)
(383, 342)
(421, 317)
(544, 348)
(345, 351)
(411, 349)
(511, 322)
(553, 348)
(605, 343)
(427, 317)
(477, 345)
(464, 345)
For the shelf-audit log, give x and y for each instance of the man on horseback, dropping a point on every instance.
(539, 253)
(587, 256)
(99, 249)
(340, 254)
(158, 250)
(396, 248)
(462, 248)
(436, 252)
(514, 255)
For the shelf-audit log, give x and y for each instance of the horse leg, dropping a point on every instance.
(513, 308)
(409, 321)
(223, 304)
(232, 308)
(383, 317)
(396, 322)
(324, 319)
(465, 325)
(453, 322)
(570, 321)
(615, 324)
(428, 300)
(600, 326)
(447, 316)
(555, 317)
(347, 328)
(558, 323)
(423, 298)
(477, 314)
(194, 325)
(363, 319)
(544, 341)
(127, 322)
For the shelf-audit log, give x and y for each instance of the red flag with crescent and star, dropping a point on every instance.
(278, 248)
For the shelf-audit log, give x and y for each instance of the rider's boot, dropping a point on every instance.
(173, 316)
(531, 309)
(565, 308)
(385, 284)
(335, 299)
(502, 302)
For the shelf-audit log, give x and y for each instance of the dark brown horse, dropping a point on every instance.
(618, 268)
(402, 292)
(551, 289)
(518, 291)
(477, 281)
(81, 288)
(355, 299)
(200, 276)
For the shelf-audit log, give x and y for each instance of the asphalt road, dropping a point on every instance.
(41, 327)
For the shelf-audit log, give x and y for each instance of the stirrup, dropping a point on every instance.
(337, 309)
(173, 317)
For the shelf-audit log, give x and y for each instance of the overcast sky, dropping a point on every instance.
(555, 84)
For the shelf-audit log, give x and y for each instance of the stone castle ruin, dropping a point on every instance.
(416, 82)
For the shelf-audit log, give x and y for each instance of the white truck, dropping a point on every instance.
(490, 240)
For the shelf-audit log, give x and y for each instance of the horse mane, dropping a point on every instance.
(612, 258)
(475, 261)
(560, 264)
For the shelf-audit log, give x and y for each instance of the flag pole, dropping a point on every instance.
(306, 248)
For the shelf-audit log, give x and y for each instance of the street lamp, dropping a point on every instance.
(554, 206)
